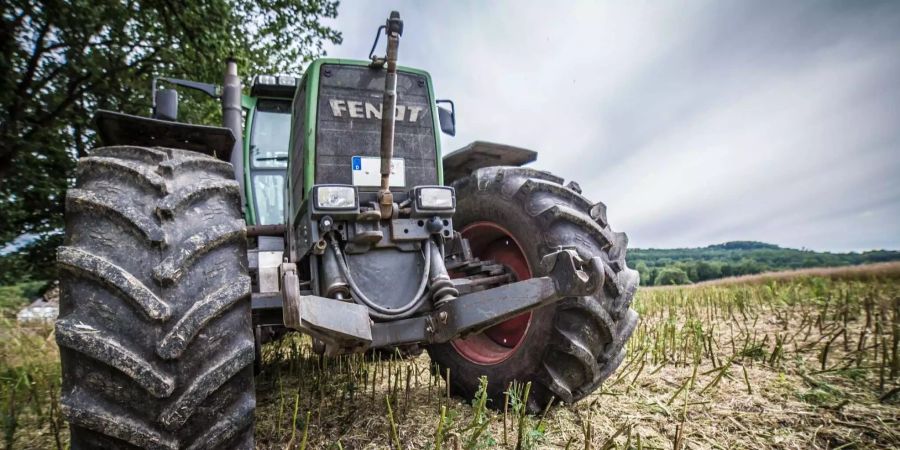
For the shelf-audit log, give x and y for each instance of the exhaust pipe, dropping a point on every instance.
(231, 116)
(393, 29)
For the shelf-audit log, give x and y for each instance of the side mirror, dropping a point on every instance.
(447, 117)
(166, 105)
(165, 101)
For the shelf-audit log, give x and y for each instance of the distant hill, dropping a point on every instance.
(691, 265)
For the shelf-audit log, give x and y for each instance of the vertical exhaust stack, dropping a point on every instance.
(231, 116)
(393, 29)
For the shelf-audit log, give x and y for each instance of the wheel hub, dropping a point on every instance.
(490, 241)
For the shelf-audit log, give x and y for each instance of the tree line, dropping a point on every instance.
(660, 267)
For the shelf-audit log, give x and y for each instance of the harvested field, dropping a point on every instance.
(807, 360)
(794, 362)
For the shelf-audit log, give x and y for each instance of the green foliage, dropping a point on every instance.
(475, 436)
(33, 261)
(61, 61)
(15, 296)
(736, 259)
(743, 245)
(530, 433)
(707, 270)
(671, 275)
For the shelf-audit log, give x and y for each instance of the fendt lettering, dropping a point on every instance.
(359, 110)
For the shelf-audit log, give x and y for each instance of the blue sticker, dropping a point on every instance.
(357, 163)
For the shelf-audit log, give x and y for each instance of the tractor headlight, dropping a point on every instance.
(281, 86)
(435, 198)
(265, 79)
(285, 80)
(335, 197)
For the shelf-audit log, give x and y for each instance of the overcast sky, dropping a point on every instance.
(695, 122)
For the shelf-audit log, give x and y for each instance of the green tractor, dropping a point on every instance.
(316, 209)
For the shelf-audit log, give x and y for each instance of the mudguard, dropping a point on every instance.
(124, 129)
(460, 163)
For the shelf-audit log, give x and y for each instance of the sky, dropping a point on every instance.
(694, 122)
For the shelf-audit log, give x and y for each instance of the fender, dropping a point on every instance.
(460, 163)
(124, 129)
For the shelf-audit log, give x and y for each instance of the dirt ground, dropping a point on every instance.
(806, 362)
(793, 362)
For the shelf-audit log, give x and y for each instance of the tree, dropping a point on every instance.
(748, 266)
(727, 270)
(690, 268)
(746, 257)
(62, 60)
(645, 272)
(708, 271)
(671, 275)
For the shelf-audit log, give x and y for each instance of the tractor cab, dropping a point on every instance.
(345, 148)
(267, 132)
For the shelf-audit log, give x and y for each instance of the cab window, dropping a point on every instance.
(269, 140)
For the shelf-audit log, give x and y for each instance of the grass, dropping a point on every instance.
(29, 376)
(807, 360)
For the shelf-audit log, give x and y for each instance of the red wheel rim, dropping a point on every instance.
(490, 241)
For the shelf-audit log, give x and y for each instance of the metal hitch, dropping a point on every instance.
(569, 276)
(346, 327)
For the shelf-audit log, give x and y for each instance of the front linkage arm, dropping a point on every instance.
(346, 327)
(477, 311)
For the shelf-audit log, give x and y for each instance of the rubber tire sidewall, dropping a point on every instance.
(525, 364)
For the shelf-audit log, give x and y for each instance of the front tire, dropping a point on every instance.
(566, 349)
(154, 328)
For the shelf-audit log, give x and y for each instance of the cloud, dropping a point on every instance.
(696, 123)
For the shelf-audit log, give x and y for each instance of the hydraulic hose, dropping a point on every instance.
(376, 310)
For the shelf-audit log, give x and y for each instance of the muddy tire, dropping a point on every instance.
(567, 349)
(154, 328)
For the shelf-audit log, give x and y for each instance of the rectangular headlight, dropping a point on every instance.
(285, 80)
(265, 79)
(335, 197)
(435, 198)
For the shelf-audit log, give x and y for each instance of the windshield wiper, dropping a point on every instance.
(273, 158)
(254, 148)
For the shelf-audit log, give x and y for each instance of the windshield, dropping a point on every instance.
(271, 133)
(269, 141)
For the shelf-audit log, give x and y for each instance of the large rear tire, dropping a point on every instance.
(155, 329)
(515, 216)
